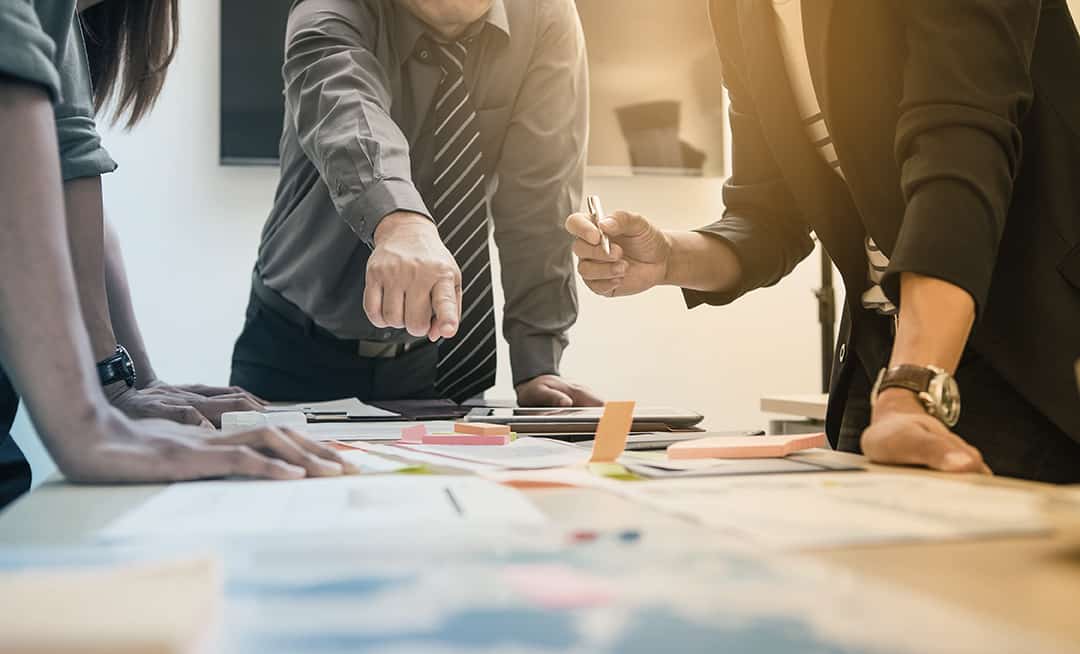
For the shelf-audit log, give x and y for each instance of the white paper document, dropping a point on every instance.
(235, 508)
(522, 454)
(351, 407)
(829, 510)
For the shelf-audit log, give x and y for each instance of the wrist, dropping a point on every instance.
(898, 400)
(398, 221)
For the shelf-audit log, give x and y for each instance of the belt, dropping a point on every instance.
(270, 300)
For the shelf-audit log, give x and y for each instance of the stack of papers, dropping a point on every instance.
(833, 510)
(656, 465)
(349, 408)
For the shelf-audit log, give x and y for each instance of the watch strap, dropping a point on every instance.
(913, 378)
(116, 368)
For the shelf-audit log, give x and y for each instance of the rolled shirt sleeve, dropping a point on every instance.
(337, 98)
(26, 52)
(541, 173)
(81, 151)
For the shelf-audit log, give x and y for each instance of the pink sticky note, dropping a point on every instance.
(558, 586)
(744, 447)
(465, 439)
(414, 434)
(481, 429)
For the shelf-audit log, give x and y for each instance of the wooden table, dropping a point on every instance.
(1033, 583)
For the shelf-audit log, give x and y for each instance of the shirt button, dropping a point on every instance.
(843, 352)
(425, 55)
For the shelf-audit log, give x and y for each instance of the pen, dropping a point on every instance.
(596, 213)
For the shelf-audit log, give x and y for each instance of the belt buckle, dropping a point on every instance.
(376, 350)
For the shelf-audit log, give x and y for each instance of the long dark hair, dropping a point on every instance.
(130, 44)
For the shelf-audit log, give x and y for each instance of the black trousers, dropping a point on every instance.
(281, 361)
(14, 469)
(1015, 439)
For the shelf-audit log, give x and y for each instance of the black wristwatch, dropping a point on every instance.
(118, 367)
(935, 388)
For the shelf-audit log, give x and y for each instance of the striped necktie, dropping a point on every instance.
(466, 364)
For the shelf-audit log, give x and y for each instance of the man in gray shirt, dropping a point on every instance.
(409, 126)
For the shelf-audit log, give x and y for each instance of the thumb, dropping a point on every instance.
(625, 223)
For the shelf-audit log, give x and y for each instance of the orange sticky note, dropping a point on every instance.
(612, 431)
(744, 447)
(481, 429)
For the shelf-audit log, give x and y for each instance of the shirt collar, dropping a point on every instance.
(410, 28)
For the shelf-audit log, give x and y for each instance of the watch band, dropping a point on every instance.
(117, 367)
(913, 378)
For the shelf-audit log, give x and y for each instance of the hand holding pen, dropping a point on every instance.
(619, 254)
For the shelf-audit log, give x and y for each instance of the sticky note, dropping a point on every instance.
(413, 434)
(481, 429)
(744, 447)
(558, 586)
(612, 471)
(465, 439)
(612, 431)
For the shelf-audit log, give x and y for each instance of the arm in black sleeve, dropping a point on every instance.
(967, 86)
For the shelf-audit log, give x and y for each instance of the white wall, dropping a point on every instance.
(189, 228)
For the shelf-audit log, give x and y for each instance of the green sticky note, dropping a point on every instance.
(612, 471)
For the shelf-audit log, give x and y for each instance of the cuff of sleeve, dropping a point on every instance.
(535, 355)
(946, 234)
(81, 152)
(742, 242)
(380, 200)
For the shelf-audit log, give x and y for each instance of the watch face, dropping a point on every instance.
(946, 395)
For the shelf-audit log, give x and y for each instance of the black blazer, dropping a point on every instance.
(958, 126)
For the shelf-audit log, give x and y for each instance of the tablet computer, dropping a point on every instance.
(581, 415)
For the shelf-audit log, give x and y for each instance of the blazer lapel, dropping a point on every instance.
(777, 111)
(818, 190)
(817, 18)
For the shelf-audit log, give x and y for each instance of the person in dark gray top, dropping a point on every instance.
(409, 126)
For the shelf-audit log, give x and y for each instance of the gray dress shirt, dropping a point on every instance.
(356, 146)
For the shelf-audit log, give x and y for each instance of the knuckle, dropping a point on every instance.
(240, 457)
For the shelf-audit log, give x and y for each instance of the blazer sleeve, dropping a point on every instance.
(967, 86)
(762, 221)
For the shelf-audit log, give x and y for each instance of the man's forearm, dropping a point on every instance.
(43, 343)
(86, 237)
(935, 320)
(122, 311)
(700, 262)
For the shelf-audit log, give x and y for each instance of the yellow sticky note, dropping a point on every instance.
(612, 431)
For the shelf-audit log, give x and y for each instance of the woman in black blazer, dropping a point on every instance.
(957, 127)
